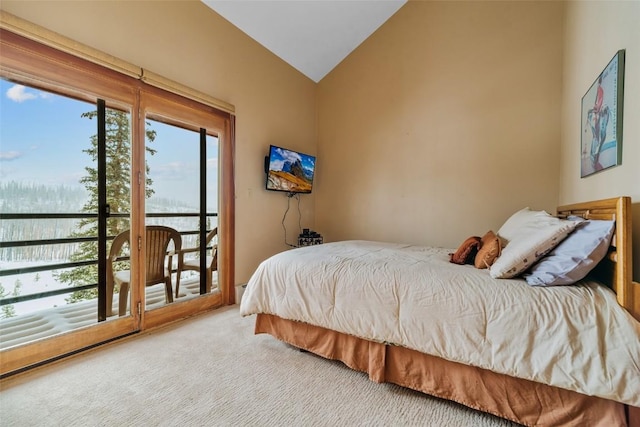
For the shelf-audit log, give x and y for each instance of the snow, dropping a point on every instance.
(32, 283)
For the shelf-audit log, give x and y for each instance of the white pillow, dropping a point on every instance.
(528, 236)
(575, 257)
(518, 221)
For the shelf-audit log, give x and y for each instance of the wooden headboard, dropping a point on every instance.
(616, 269)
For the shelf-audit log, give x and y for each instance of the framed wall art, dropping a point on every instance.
(601, 133)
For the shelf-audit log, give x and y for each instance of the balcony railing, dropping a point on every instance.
(56, 319)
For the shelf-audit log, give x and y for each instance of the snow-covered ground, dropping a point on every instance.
(32, 283)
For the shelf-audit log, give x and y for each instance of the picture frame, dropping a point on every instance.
(601, 126)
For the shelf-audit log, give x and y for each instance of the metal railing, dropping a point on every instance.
(67, 240)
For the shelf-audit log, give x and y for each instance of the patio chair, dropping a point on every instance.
(157, 270)
(211, 262)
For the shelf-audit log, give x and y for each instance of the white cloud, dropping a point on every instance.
(288, 155)
(173, 171)
(9, 155)
(18, 93)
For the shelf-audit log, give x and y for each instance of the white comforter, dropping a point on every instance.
(573, 337)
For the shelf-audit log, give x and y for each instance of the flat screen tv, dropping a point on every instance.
(289, 170)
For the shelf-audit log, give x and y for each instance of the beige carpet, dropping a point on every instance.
(211, 370)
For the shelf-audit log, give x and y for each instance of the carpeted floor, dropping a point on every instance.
(211, 370)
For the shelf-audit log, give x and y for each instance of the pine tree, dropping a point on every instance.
(9, 310)
(118, 171)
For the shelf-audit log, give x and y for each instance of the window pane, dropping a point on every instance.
(48, 180)
(174, 197)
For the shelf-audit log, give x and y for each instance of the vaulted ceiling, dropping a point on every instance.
(313, 36)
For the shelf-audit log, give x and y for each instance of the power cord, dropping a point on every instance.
(289, 196)
(299, 215)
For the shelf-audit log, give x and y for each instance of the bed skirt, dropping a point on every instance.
(523, 401)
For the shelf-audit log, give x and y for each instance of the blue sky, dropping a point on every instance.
(278, 157)
(42, 136)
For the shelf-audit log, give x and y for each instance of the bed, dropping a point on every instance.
(405, 314)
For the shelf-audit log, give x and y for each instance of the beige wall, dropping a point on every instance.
(442, 123)
(187, 42)
(594, 32)
(437, 127)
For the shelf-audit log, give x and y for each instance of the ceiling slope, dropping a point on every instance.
(313, 36)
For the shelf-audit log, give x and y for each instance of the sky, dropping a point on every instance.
(278, 157)
(42, 136)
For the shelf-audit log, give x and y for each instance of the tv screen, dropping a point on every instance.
(289, 170)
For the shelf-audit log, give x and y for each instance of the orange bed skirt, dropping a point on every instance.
(523, 401)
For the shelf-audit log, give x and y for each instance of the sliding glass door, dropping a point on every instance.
(116, 204)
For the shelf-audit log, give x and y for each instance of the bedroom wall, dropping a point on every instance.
(442, 124)
(594, 32)
(187, 42)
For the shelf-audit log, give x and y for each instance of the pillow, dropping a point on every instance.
(529, 235)
(466, 253)
(490, 249)
(575, 256)
(515, 223)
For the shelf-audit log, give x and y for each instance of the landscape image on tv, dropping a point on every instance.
(290, 171)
